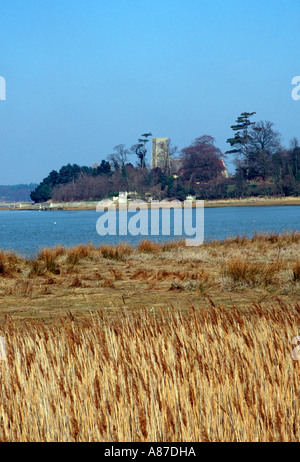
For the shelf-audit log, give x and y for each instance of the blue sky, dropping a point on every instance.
(85, 75)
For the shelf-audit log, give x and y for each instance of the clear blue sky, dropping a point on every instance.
(85, 75)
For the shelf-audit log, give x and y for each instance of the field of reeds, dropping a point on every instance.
(210, 374)
(159, 343)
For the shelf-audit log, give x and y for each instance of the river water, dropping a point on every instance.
(27, 231)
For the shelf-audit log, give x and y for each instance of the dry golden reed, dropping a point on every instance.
(296, 271)
(210, 374)
(253, 273)
(8, 263)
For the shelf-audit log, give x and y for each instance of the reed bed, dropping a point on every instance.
(296, 271)
(8, 263)
(252, 273)
(211, 374)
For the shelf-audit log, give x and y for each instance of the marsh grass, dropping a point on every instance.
(77, 282)
(8, 263)
(117, 252)
(48, 257)
(79, 252)
(296, 271)
(232, 271)
(148, 246)
(211, 374)
(252, 273)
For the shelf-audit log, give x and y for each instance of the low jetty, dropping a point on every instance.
(91, 205)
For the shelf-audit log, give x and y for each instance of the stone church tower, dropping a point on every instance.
(160, 155)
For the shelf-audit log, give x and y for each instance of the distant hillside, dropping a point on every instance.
(16, 193)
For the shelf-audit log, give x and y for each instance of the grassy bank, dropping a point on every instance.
(254, 201)
(86, 277)
(91, 205)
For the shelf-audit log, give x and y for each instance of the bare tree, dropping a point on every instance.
(294, 143)
(86, 187)
(295, 157)
(264, 142)
(120, 157)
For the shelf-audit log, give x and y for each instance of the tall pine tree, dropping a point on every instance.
(240, 141)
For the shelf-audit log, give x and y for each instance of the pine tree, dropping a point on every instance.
(140, 149)
(241, 139)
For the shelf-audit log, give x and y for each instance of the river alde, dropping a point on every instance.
(27, 231)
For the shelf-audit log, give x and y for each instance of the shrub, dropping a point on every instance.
(117, 252)
(49, 256)
(8, 262)
(252, 273)
(296, 271)
(148, 246)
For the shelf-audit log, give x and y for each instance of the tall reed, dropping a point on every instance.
(212, 374)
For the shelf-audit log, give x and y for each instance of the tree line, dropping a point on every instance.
(16, 193)
(263, 167)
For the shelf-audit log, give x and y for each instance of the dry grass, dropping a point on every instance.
(253, 273)
(8, 264)
(149, 246)
(210, 374)
(87, 277)
(296, 271)
(115, 343)
(117, 252)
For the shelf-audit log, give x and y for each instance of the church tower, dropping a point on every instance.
(160, 155)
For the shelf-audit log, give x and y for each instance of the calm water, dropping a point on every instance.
(27, 231)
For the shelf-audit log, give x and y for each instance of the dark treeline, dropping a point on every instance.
(263, 168)
(16, 193)
(68, 176)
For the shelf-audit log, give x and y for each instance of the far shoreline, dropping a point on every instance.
(91, 205)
